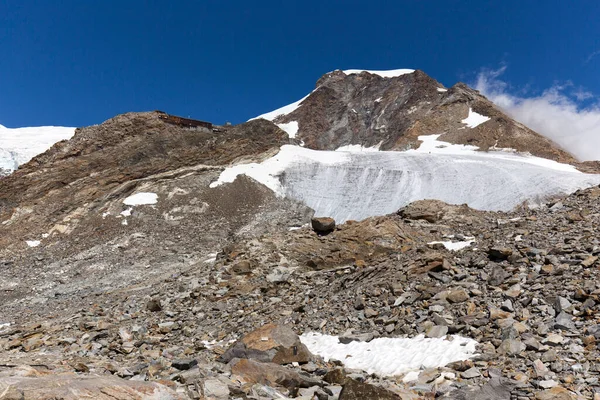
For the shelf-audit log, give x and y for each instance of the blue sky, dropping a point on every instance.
(76, 63)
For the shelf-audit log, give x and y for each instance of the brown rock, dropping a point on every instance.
(499, 253)
(355, 390)
(154, 305)
(323, 224)
(457, 296)
(270, 343)
(243, 267)
(20, 385)
(252, 372)
(556, 393)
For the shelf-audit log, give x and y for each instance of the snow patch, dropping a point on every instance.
(431, 145)
(291, 128)
(393, 73)
(455, 246)
(139, 199)
(19, 145)
(442, 90)
(391, 356)
(4, 325)
(474, 119)
(33, 243)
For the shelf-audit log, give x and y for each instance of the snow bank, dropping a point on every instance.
(18, 146)
(391, 356)
(432, 145)
(474, 119)
(33, 243)
(384, 74)
(142, 198)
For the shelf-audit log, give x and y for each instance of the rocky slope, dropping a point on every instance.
(370, 110)
(127, 274)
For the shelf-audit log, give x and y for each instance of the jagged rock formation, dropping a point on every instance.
(391, 113)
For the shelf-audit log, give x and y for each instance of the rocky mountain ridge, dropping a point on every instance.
(198, 291)
(391, 113)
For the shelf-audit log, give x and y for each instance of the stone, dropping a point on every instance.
(564, 321)
(457, 296)
(65, 386)
(154, 305)
(556, 393)
(266, 373)
(322, 224)
(589, 261)
(547, 384)
(540, 368)
(243, 267)
(499, 253)
(511, 347)
(270, 343)
(184, 364)
(561, 304)
(470, 373)
(214, 389)
(437, 331)
(355, 390)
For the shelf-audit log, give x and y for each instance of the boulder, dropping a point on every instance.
(21, 384)
(253, 372)
(323, 224)
(270, 343)
(355, 390)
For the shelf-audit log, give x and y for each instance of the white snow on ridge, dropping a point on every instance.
(359, 184)
(473, 119)
(285, 110)
(291, 128)
(391, 356)
(384, 74)
(19, 145)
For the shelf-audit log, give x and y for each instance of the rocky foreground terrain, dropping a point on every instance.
(208, 292)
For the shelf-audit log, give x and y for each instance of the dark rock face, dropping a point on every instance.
(323, 224)
(391, 113)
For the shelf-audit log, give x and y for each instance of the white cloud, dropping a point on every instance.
(554, 113)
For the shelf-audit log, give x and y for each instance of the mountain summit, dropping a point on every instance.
(391, 109)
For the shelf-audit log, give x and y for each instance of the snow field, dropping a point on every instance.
(391, 356)
(359, 184)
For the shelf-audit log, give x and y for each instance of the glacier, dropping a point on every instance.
(19, 145)
(354, 185)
